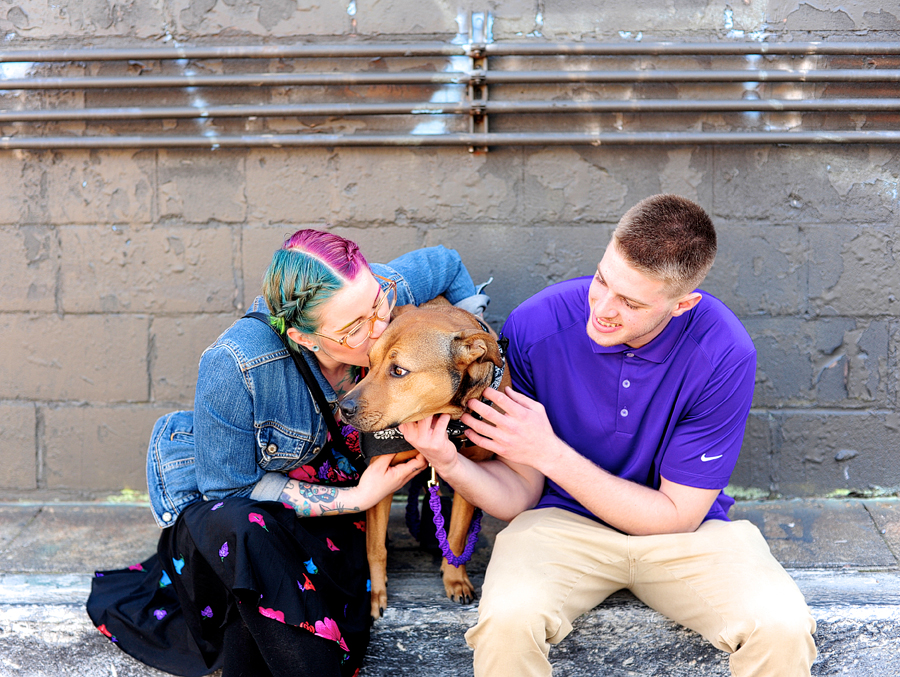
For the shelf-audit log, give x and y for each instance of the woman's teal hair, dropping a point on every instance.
(308, 269)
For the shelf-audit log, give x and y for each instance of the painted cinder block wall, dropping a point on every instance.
(118, 267)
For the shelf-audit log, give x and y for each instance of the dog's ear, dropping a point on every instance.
(473, 345)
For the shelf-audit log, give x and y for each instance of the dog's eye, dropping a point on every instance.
(399, 372)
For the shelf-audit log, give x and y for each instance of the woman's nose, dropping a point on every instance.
(378, 327)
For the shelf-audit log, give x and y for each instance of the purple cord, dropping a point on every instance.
(440, 532)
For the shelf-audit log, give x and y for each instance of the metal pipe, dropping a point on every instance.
(233, 111)
(305, 51)
(474, 140)
(554, 77)
(367, 50)
(452, 78)
(458, 108)
(243, 80)
(681, 49)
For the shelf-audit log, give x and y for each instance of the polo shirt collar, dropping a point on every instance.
(658, 350)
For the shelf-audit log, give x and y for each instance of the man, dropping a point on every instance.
(630, 396)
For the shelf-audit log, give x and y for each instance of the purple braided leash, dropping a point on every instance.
(435, 502)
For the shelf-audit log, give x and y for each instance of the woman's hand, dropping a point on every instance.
(381, 478)
(429, 437)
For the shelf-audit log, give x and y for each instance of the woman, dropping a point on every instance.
(261, 567)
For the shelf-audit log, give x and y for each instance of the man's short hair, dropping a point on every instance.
(668, 238)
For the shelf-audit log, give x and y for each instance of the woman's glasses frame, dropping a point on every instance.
(381, 313)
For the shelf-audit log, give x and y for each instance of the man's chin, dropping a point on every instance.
(609, 340)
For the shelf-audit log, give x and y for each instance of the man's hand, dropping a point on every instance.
(521, 433)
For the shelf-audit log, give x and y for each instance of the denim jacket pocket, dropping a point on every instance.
(280, 451)
(171, 477)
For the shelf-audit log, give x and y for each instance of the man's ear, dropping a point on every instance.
(299, 338)
(686, 302)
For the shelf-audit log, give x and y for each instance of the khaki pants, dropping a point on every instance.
(550, 566)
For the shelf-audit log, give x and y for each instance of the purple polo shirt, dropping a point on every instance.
(676, 407)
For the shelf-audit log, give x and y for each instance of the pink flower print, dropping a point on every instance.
(332, 546)
(217, 506)
(328, 629)
(136, 567)
(223, 551)
(160, 614)
(272, 613)
(256, 517)
(361, 525)
(207, 612)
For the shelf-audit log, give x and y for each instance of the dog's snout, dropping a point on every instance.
(349, 406)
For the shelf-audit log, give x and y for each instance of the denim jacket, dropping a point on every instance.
(254, 419)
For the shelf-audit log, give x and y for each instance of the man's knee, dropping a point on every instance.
(514, 620)
(780, 635)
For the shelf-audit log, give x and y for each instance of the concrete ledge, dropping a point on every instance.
(45, 632)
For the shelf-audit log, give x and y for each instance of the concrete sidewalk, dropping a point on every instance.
(844, 555)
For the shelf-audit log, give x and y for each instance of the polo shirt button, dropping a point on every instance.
(624, 412)
(626, 383)
(629, 354)
(167, 517)
(272, 448)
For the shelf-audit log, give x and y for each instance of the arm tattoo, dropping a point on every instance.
(312, 500)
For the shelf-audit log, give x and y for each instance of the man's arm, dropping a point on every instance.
(523, 437)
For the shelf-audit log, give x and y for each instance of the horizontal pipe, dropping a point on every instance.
(244, 80)
(473, 140)
(307, 51)
(497, 77)
(337, 50)
(458, 108)
(452, 78)
(688, 48)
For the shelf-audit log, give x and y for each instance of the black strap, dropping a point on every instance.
(337, 438)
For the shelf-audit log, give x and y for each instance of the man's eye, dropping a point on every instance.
(398, 372)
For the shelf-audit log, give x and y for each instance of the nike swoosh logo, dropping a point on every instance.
(710, 458)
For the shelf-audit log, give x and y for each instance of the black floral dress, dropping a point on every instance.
(171, 611)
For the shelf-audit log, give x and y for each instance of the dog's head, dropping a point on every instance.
(430, 360)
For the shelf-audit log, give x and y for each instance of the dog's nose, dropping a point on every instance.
(348, 408)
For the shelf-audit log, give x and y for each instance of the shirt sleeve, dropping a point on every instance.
(518, 359)
(705, 444)
(425, 273)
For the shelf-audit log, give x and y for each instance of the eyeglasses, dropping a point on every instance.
(356, 336)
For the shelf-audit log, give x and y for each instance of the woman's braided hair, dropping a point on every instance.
(310, 266)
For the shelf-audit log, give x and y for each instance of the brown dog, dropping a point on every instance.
(430, 360)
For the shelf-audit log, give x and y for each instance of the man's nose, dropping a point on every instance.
(603, 306)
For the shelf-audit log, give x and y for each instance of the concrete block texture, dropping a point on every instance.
(821, 362)
(176, 344)
(77, 187)
(96, 448)
(801, 453)
(136, 269)
(29, 267)
(96, 358)
(18, 445)
(118, 267)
